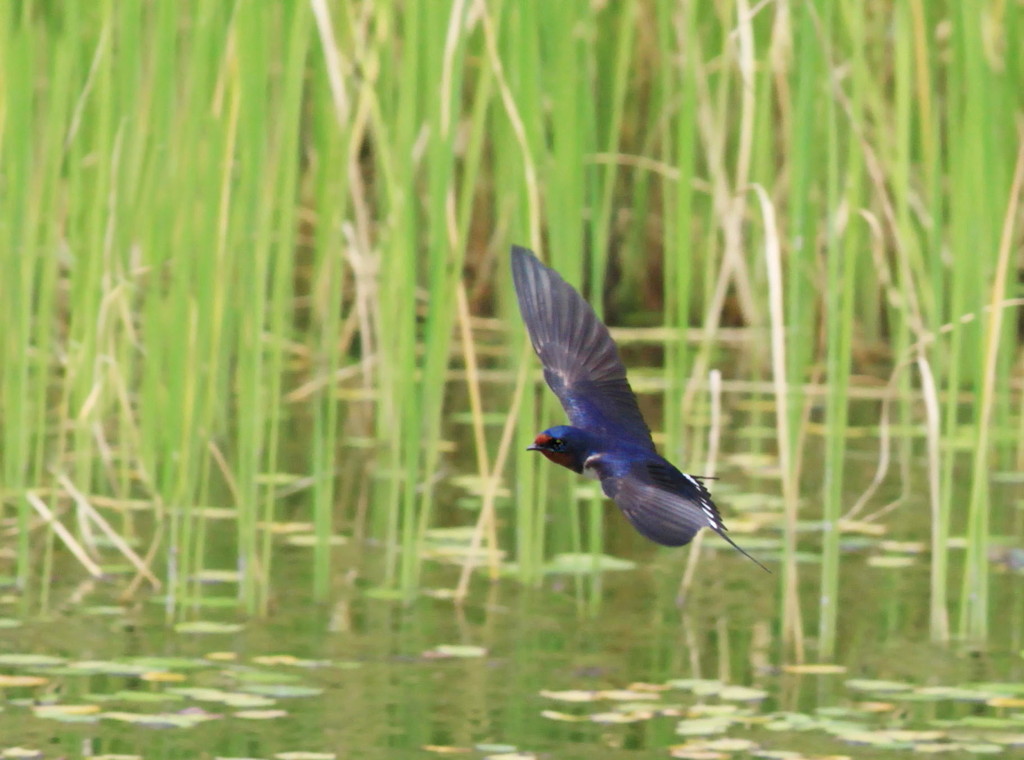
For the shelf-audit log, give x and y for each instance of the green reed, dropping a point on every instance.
(245, 241)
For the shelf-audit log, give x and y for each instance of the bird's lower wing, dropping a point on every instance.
(665, 518)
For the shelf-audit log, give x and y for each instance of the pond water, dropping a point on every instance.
(603, 667)
(517, 674)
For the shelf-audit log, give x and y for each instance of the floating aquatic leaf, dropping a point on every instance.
(955, 693)
(137, 697)
(276, 478)
(703, 726)
(501, 749)
(221, 656)
(904, 735)
(312, 539)
(211, 513)
(305, 756)
(207, 626)
(168, 663)
(285, 528)
(386, 594)
(260, 714)
(790, 721)
(161, 720)
(980, 721)
(30, 660)
(571, 695)
(475, 484)
(446, 749)
(1005, 702)
(698, 686)
(731, 745)
(564, 717)
(627, 695)
(998, 687)
(103, 667)
(862, 527)
(217, 576)
(162, 676)
(875, 707)
(1009, 740)
(274, 660)
(512, 756)
(102, 610)
(814, 669)
(6, 622)
(879, 739)
(255, 675)
(698, 711)
(905, 547)
(20, 753)
(868, 684)
(611, 718)
(891, 561)
(741, 694)
(583, 564)
(248, 701)
(696, 753)
(1007, 476)
(464, 651)
(200, 693)
(936, 748)
(283, 690)
(10, 681)
(206, 601)
(981, 748)
(49, 711)
(651, 687)
(659, 707)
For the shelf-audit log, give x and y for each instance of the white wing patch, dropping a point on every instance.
(590, 467)
(704, 500)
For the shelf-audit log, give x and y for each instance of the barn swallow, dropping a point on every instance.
(608, 439)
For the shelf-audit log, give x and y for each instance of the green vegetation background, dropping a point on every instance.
(252, 252)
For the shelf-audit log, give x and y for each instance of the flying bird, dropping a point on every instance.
(607, 438)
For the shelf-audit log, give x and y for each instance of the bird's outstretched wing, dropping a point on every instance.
(667, 506)
(581, 362)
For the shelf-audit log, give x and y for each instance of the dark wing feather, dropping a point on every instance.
(666, 505)
(663, 517)
(581, 363)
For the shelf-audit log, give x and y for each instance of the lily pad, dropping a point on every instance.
(462, 651)
(584, 564)
(261, 714)
(703, 726)
(282, 690)
(612, 718)
(30, 660)
(742, 694)
(880, 686)
(571, 695)
(814, 669)
(699, 686)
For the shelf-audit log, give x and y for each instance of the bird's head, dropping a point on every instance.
(564, 445)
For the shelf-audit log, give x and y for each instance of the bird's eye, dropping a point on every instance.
(557, 444)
